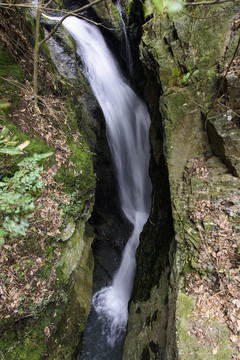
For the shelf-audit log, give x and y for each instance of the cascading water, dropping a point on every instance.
(128, 48)
(127, 122)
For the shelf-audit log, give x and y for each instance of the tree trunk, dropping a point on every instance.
(36, 54)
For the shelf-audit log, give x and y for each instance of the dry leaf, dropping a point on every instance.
(215, 350)
(234, 338)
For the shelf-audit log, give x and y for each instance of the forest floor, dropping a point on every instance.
(214, 282)
(27, 276)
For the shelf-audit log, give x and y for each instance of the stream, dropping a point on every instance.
(127, 127)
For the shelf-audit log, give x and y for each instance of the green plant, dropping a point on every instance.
(17, 196)
(8, 149)
(161, 6)
(27, 179)
(189, 76)
(70, 207)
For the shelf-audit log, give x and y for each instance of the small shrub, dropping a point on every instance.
(19, 191)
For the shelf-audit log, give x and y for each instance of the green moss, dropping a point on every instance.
(33, 341)
(37, 145)
(196, 183)
(9, 67)
(9, 89)
(188, 269)
(76, 264)
(60, 4)
(208, 224)
(72, 251)
(65, 318)
(30, 339)
(80, 177)
(188, 342)
(115, 13)
(10, 78)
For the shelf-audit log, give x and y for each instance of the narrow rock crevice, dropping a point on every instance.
(152, 306)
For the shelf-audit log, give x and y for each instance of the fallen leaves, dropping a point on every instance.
(20, 287)
(27, 275)
(215, 283)
(219, 260)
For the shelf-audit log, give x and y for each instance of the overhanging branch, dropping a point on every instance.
(74, 12)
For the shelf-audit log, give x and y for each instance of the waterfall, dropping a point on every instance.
(127, 123)
(128, 48)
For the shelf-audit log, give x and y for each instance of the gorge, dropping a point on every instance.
(128, 124)
(184, 303)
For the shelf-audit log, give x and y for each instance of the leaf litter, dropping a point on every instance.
(214, 282)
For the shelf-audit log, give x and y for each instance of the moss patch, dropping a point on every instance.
(81, 175)
(10, 78)
(190, 329)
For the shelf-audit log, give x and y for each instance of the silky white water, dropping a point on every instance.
(127, 123)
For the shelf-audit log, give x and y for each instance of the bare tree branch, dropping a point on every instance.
(205, 2)
(36, 54)
(39, 43)
(26, 6)
(74, 12)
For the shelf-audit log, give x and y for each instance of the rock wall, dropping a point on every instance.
(184, 304)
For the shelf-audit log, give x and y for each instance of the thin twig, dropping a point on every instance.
(6, 268)
(13, 82)
(228, 107)
(27, 6)
(194, 102)
(201, 18)
(64, 17)
(94, 22)
(206, 2)
(219, 292)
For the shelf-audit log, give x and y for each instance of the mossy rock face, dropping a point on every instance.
(217, 344)
(74, 268)
(68, 230)
(225, 144)
(183, 55)
(147, 319)
(72, 252)
(109, 15)
(56, 331)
